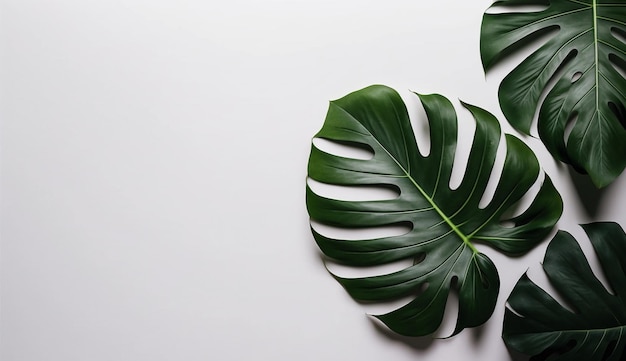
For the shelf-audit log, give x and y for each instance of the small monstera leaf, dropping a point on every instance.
(584, 57)
(596, 327)
(445, 222)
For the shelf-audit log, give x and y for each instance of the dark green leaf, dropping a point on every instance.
(583, 57)
(445, 222)
(596, 329)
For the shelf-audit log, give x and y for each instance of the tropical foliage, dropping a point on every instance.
(445, 223)
(582, 118)
(595, 326)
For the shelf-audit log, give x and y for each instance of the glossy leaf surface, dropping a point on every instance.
(588, 99)
(595, 328)
(444, 222)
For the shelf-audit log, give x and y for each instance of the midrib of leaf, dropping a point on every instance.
(439, 211)
(596, 40)
(594, 6)
(446, 219)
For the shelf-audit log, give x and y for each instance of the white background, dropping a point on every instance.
(153, 165)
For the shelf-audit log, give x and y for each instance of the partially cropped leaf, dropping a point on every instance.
(445, 223)
(595, 328)
(589, 95)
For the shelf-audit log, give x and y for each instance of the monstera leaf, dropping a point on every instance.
(589, 98)
(595, 329)
(445, 223)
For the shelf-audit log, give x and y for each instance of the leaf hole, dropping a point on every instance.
(419, 258)
(620, 113)
(576, 76)
(619, 34)
(361, 233)
(569, 126)
(618, 64)
(554, 351)
(344, 149)
(379, 192)
(610, 348)
(534, 7)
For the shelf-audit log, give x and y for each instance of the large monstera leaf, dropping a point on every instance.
(589, 96)
(445, 222)
(595, 329)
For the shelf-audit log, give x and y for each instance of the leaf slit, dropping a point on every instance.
(355, 193)
(535, 7)
(362, 233)
(345, 149)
